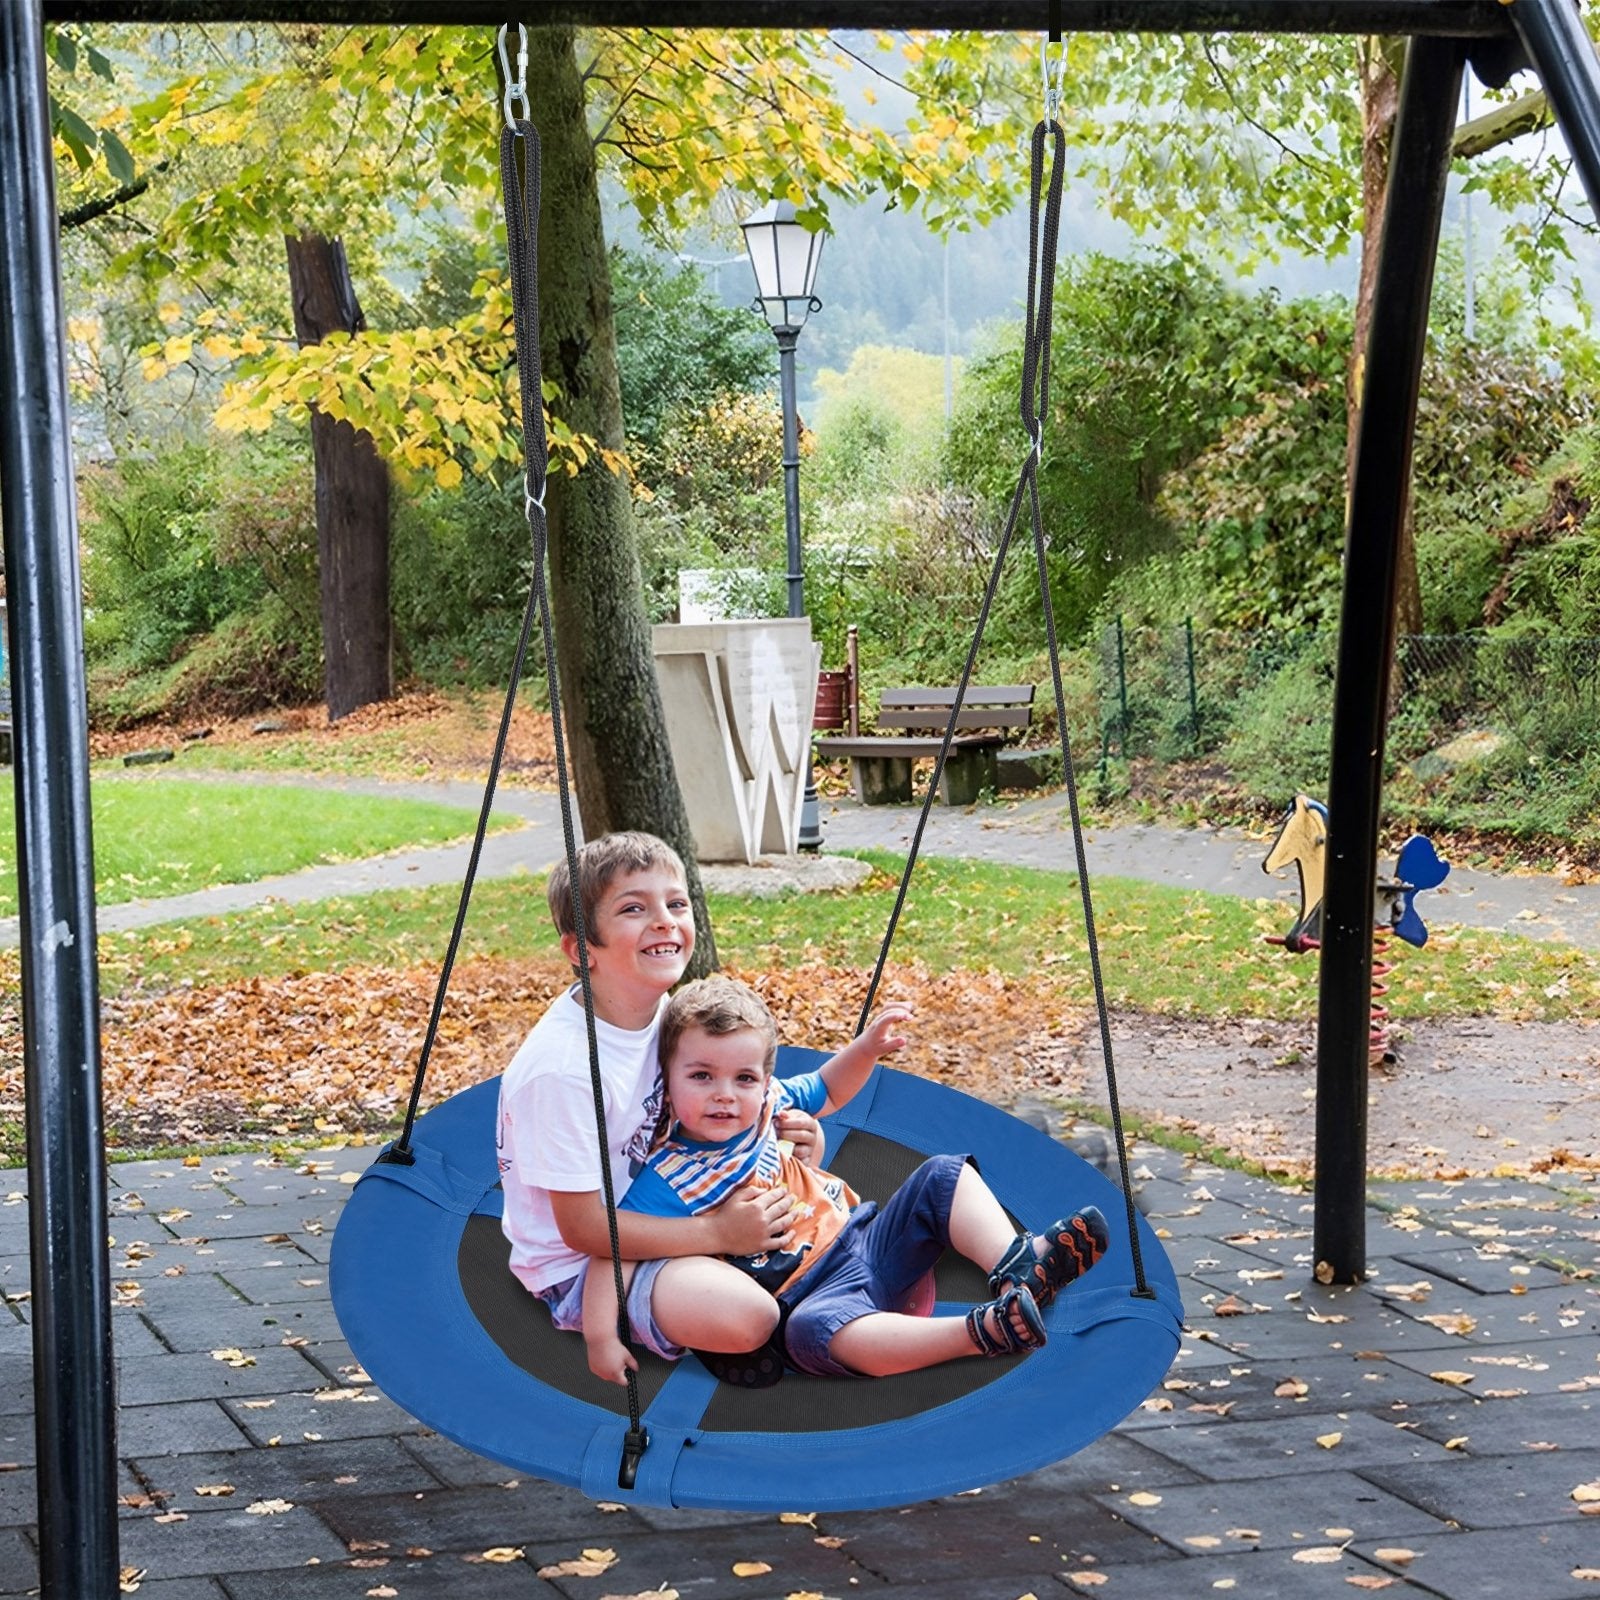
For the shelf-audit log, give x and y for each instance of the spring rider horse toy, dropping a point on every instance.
(1302, 839)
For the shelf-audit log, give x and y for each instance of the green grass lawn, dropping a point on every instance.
(1180, 952)
(157, 836)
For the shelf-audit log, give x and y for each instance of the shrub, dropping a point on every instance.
(152, 571)
(1282, 730)
(461, 562)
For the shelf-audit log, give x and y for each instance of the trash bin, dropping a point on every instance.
(833, 700)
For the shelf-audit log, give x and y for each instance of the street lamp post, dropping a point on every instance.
(784, 255)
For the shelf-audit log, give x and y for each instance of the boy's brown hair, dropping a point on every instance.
(599, 862)
(718, 1005)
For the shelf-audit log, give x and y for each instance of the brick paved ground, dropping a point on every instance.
(1302, 1447)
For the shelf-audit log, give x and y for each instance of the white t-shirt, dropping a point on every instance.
(545, 1131)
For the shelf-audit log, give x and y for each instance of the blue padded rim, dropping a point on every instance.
(397, 1294)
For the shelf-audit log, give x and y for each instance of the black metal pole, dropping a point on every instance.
(1378, 494)
(1554, 35)
(74, 1397)
(788, 337)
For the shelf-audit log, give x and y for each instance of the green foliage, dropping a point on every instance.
(460, 566)
(714, 501)
(1282, 726)
(678, 349)
(152, 572)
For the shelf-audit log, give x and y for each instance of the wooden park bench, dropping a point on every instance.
(880, 765)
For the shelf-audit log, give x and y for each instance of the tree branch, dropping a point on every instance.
(90, 209)
(1526, 114)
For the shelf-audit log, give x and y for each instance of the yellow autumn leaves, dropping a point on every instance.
(430, 398)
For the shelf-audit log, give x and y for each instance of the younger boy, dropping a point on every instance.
(848, 1275)
(640, 933)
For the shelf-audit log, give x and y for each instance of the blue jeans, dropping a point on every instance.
(875, 1263)
(566, 1307)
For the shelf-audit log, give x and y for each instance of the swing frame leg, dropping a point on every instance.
(1380, 485)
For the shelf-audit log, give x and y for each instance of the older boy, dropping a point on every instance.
(640, 930)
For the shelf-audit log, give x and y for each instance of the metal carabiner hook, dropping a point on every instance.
(1054, 88)
(516, 86)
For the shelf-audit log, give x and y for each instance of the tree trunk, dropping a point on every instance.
(1382, 60)
(616, 729)
(352, 499)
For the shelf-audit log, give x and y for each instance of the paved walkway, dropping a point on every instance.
(1032, 833)
(1433, 1432)
(1308, 1440)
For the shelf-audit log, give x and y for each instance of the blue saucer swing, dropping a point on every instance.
(419, 1273)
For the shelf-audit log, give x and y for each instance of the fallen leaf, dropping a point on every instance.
(750, 1569)
(1591, 1574)
(217, 1489)
(382, 1592)
(1329, 1440)
(1319, 1554)
(1456, 1322)
(1395, 1555)
(1587, 1493)
(1292, 1389)
(672, 1594)
(591, 1564)
(1144, 1498)
(829, 1541)
(128, 1578)
(1087, 1580)
(1452, 1377)
(1368, 1580)
(269, 1508)
(1457, 1442)
(805, 1519)
(1233, 1306)
(234, 1358)
(1203, 1541)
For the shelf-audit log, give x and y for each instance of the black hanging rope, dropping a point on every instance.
(1043, 236)
(520, 181)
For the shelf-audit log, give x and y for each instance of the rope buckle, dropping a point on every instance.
(634, 1445)
(516, 85)
(532, 502)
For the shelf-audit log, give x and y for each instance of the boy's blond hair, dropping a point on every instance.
(718, 1005)
(599, 862)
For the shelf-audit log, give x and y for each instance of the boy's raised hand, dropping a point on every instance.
(753, 1219)
(881, 1036)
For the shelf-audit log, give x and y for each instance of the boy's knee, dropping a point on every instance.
(750, 1324)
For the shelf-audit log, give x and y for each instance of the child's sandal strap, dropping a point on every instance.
(1006, 1340)
(1074, 1244)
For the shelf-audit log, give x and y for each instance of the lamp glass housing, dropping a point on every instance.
(784, 256)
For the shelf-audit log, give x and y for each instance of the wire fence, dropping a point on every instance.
(1264, 702)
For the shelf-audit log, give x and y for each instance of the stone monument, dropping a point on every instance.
(738, 698)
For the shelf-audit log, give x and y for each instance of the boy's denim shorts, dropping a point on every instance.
(875, 1264)
(566, 1306)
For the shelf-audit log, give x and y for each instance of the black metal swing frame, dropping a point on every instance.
(74, 1396)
